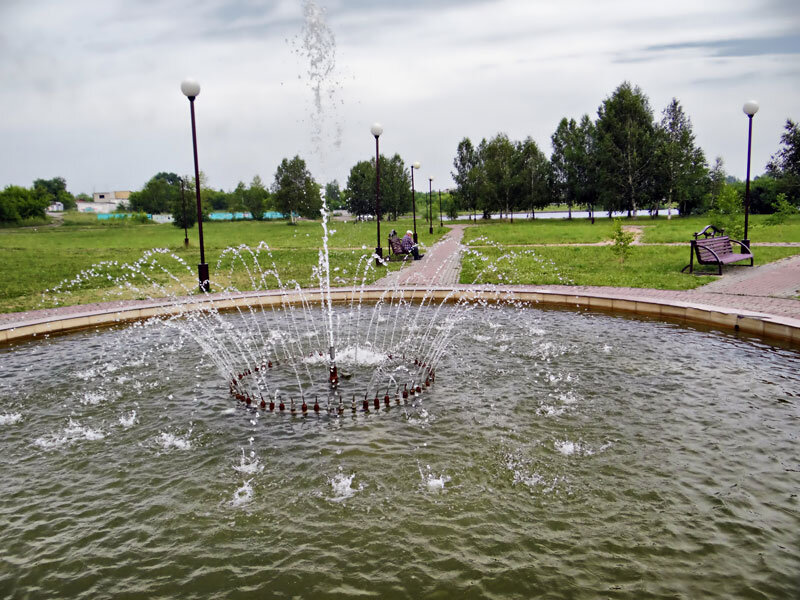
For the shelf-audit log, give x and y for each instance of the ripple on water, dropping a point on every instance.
(578, 473)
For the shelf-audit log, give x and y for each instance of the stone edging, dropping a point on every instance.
(753, 323)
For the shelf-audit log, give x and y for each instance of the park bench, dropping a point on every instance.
(714, 248)
(396, 249)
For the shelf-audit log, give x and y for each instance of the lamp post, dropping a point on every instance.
(750, 108)
(414, 166)
(377, 130)
(430, 205)
(191, 89)
(441, 223)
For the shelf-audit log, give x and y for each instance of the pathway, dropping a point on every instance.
(440, 266)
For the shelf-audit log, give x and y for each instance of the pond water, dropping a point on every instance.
(558, 454)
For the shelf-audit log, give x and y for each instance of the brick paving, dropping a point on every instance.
(439, 267)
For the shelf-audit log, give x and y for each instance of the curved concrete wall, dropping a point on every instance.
(758, 324)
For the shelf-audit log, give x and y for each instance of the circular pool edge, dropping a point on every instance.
(758, 324)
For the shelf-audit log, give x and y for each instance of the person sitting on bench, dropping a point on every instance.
(408, 245)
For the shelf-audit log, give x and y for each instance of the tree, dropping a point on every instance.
(533, 175)
(467, 175)
(784, 165)
(498, 164)
(158, 195)
(255, 198)
(333, 196)
(683, 169)
(626, 145)
(54, 190)
(562, 162)
(716, 181)
(360, 190)
(184, 207)
(296, 192)
(395, 187)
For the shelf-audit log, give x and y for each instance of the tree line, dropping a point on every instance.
(624, 160)
(293, 193)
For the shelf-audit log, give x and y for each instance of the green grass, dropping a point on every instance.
(647, 267)
(541, 231)
(681, 229)
(34, 261)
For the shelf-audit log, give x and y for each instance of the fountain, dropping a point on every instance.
(396, 442)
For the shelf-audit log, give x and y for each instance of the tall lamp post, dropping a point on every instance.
(191, 89)
(750, 108)
(414, 166)
(441, 223)
(430, 205)
(377, 130)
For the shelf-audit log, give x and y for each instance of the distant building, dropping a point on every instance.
(56, 207)
(117, 197)
(104, 202)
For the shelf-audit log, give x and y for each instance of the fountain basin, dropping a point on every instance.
(768, 326)
(560, 452)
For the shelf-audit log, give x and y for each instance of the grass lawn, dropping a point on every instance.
(662, 230)
(33, 260)
(656, 231)
(541, 231)
(651, 267)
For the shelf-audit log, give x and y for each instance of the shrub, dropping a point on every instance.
(622, 241)
(729, 213)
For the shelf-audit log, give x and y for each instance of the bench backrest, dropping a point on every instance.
(396, 245)
(720, 244)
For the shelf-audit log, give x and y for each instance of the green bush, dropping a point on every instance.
(783, 210)
(621, 241)
(19, 204)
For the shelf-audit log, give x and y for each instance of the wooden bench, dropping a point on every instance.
(714, 248)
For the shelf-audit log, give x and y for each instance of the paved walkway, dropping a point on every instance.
(440, 266)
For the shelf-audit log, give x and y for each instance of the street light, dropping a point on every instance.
(430, 205)
(191, 89)
(750, 108)
(377, 130)
(441, 224)
(414, 166)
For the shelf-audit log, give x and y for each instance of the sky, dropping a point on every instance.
(90, 89)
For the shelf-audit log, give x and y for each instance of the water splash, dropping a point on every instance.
(129, 420)
(434, 483)
(10, 418)
(317, 45)
(249, 465)
(169, 440)
(341, 486)
(243, 495)
(72, 433)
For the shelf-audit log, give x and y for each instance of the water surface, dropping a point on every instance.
(559, 454)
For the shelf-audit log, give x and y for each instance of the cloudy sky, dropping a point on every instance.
(90, 89)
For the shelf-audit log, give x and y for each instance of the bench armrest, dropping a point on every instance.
(743, 246)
